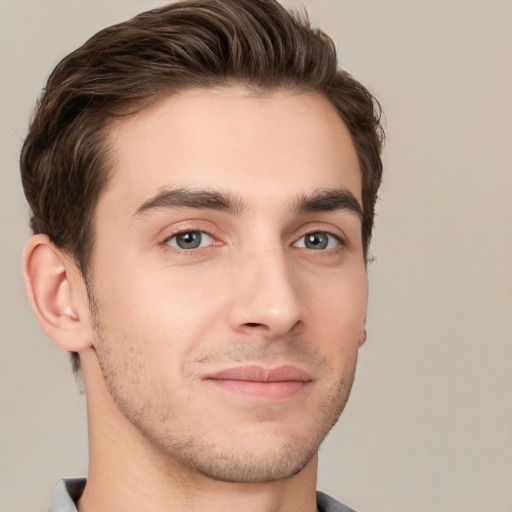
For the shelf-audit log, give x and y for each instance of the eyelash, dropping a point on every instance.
(166, 241)
(341, 242)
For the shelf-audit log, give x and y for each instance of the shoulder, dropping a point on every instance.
(327, 504)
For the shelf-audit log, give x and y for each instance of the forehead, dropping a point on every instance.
(255, 145)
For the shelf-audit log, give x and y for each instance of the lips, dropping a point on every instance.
(280, 383)
(260, 374)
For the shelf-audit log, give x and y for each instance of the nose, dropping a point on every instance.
(266, 300)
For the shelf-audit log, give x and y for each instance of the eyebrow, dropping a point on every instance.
(190, 198)
(329, 200)
(322, 200)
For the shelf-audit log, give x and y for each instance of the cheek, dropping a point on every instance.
(343, 292)
(166, 310)
(337, 309)
(185, 299)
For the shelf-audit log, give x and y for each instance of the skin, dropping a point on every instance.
(165, 432)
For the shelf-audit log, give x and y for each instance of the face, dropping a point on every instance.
(229, 279)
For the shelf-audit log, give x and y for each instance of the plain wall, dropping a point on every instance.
(429, 423)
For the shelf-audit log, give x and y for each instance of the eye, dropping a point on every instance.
(318, 241)
(190, 240)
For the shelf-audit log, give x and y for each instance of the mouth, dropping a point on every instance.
(268, 384)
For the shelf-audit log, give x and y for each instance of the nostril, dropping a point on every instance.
(253, 324)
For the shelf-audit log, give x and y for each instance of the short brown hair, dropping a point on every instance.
(191, 43)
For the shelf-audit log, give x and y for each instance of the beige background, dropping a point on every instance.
(429, 424)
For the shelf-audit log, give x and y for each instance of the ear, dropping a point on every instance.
(57, 294)
(362, 337)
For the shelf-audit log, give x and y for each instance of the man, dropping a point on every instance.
(202, 181)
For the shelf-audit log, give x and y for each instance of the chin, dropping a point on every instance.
(273, 465)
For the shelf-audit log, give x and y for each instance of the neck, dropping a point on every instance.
(128, 473)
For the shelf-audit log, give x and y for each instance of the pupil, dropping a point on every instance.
(189, 240)
(316, 241)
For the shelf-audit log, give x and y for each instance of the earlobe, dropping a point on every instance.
(60, 309)
(362, 337)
